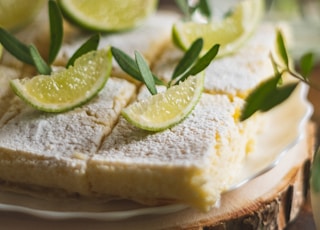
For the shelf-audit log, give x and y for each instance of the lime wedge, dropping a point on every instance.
(67, 88)
(17, 13)
(166, 109)
(230, 33)
(108, 15)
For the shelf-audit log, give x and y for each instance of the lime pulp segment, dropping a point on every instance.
(68, 88)
(108, 15)
(230, 33)
(166, 109)
(17, 13)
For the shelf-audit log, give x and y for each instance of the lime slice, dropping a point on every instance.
(17, 13)
(230, 33)
(67, 88)
(108, 15)
(166, 109)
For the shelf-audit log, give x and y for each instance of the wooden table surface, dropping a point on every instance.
(305, 219)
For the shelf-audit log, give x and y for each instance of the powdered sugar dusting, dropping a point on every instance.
(62, 135)
(191, 142)
(234, 74)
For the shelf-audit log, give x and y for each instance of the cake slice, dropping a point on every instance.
(190, 163)
(235, 75)
(51, 150)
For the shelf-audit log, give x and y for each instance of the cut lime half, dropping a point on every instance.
(166, 109)
(68, 88)
(17, 13)
(107, 15)
(230, 33)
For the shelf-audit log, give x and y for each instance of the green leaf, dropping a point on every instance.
(15, 47)
(204, 8)
(40, 64)
(306, 65)
(126, 63)
(202, 63)
(56, 30)
(206, 59)
(282, 50)
(91, 44)
(145, 73)
(277, 96)
(256, 99)
(190, 56)
(274, 65)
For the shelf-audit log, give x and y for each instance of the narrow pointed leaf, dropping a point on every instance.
(15, 47)
(190, 56)
(146, 73)
(204, 8)
(282, 50)
(306, 65)
(56, 30)
(277, 96)
(274, 65)
(129, 65)
(202, 63)
(91, 44)
(126, 63)
(40, 64)
(254, 102)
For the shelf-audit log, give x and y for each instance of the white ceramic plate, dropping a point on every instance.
(283, 129)
(285, 124)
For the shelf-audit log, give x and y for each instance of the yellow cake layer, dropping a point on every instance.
(192, 162)
(51, 150)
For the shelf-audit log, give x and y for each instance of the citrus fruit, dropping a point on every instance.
(17, 13)
(163, 110)
(230, 33)
(107, 15)
(68, 88)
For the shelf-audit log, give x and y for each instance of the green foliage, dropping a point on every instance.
(190, 65)
(29, 54)
(273, 91)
